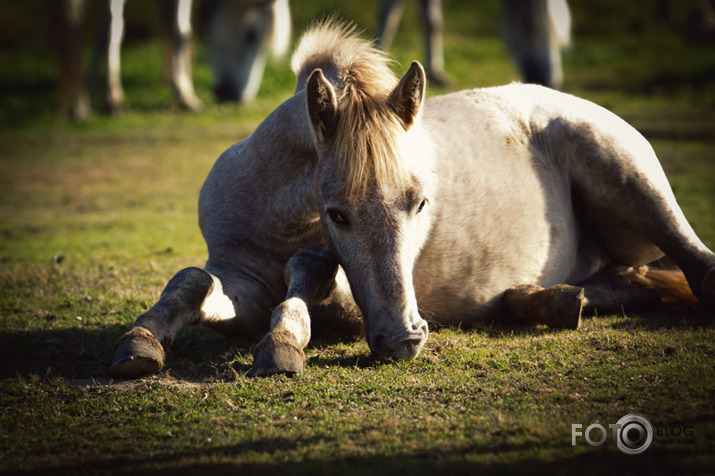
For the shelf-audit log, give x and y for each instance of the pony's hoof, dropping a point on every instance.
(566, 306)
(277, 353)
(137, 354)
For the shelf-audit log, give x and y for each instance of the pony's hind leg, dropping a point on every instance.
(608, 293)
(629, 207)
(561, 306)
(313, 279)
(556, 306)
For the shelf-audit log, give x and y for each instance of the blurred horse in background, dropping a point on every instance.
(241, 35)
(535, 32)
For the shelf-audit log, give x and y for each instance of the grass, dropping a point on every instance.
(493, 399)
(96, 217)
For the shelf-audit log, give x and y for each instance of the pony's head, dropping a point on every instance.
(374, 189)
(241, 36)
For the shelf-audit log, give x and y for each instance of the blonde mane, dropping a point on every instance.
(368, 132)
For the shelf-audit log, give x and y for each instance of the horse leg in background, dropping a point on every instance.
(388, 20)
(115, 91)
(536, 32)
(66, 26)
(314, 280)
(433, 24)
(175, 17)
(218, 299)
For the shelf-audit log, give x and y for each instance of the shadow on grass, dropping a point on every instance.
(652, 320)
(658, 320)
(556, 456)
(70, 353)
(364, 361)
(86, 353)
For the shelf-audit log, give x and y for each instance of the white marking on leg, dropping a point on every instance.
(280, 41)
(217, 306)
(560, 18)
(116, 33)
(293, 316)
(184, 17)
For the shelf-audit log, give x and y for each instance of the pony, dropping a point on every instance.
(535, 31)
(360, 205)
(241, 36)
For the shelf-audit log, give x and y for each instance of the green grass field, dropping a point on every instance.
(96, 217)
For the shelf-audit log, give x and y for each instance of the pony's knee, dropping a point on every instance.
(190, 286)
(179, 304)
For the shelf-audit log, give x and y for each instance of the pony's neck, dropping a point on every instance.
(283, 148)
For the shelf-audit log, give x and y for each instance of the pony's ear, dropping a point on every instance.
(322, 106)
(406, 99)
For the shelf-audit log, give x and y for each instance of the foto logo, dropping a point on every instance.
(632, 434)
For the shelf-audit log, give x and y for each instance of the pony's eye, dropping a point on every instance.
(422, 205)
(337, 217)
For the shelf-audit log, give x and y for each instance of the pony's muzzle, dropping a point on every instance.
(404, 346)
(227, 91)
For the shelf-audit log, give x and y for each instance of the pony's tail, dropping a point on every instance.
(671, 284)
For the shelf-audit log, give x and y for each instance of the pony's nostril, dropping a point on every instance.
(408, 346)
(379, 345)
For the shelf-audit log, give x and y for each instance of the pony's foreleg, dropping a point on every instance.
(388, 20)
(311, 278)
(177, 18)
(557, 306)
(67, 22)
(115, 91)
(191, 297)
(433, 24)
